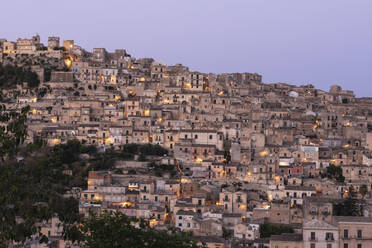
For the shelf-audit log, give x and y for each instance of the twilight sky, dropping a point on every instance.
(322, 42)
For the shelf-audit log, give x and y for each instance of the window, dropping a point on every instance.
(210, 137)
(325, 211)
(180, 217)
(359, 245)
(346, 233)
(360, 234)
(329, 245)
(312, 245)
(312, 236)
(329, 236)
(346, 246)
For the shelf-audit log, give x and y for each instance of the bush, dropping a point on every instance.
(10, 76)
(267, 229)
(131, 148)
(142, 158)
(335, 172)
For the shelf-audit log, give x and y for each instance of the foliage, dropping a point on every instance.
(146, 149)
(41, 48)
(118, 230)
(14, 130)
(129, 150)
(268, 229)
(11, 75)
(347, 208)
(32, 192)
(227, 157)
(59, 48)
(363, 190)
(227, 233)
(352, 193)
(159, 169)
(335, 172)
(47, 74)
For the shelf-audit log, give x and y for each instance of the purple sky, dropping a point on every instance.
(322, 42)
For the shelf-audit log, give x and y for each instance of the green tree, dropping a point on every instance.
(352, 193)
(13, 131)
(335, 172)
(227, 156)
(119, 231)
(268, 229)
(347, 208)
(11, 75)
(226, 233)
(363, 190)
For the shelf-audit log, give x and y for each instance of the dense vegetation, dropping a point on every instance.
(13, 132)
(334, 172)
(11, 75)
(119, 231)
(33, 186)
(32, 191)
(347, 208)
(268, 229)
(129, 150)
(159, 169)
(350, 206)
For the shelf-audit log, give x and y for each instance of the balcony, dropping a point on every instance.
(313, 239)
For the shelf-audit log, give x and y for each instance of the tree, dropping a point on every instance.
(227, 156)
(268, 229)
(352, 193)
(32, 191)
(347, 208)
(363, 190)
(14, 130)
(10, 76)
(119, 231)
(335, 172)
(227, 233)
